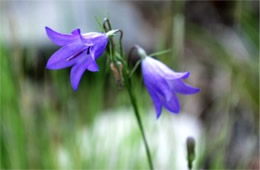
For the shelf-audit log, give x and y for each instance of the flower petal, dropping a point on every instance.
(162, 84)
(163, 70)
(184, 88)
(99, 40)
(97, 51)
(173, 105)
(61, 58)
(92, 66)
(156, 81)
(86, 63)
(61, 39)
(76, 32)
(176, 75)
(75, 75)
(156, 101)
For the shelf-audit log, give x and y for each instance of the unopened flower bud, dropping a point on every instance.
(141, 52)
(190, 151)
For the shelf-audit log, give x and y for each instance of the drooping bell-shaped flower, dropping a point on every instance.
(77, 50)
(163, 84)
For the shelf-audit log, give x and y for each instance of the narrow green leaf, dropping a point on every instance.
(160, 53)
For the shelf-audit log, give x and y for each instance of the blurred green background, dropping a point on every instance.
(46, 125)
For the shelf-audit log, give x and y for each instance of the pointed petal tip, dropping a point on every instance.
(75, 89)
(76, 31)
(50, 33)
(61, 39)
(76, 74)
(197, 90)
(194, 91)
(178, 75)
(93, 69)
(186, 75)
(47, 67)
(158, 114)
(184, 88)
(74, 86)
(48, 30)
(50, 66)
(176, 111)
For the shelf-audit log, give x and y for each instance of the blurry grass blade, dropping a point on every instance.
(99, 24)
(160, 53)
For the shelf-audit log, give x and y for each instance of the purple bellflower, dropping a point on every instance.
(78, 51)
(163, 83)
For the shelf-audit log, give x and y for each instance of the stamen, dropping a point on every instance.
(88, 50)
(77, 54)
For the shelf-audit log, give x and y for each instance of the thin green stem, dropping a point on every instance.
(107, 27)
(127, 78)
(139, 121)
(135, 67)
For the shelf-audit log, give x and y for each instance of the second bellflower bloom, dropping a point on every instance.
(77, 50)
(163, 83)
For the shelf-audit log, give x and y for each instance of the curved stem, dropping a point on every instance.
(106, 23)
(120, 42)
(107, 26)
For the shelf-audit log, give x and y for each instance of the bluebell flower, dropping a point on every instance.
(78, 51)
(163, 84)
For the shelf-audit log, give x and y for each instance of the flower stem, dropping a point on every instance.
(107, 27)
(139, 121)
